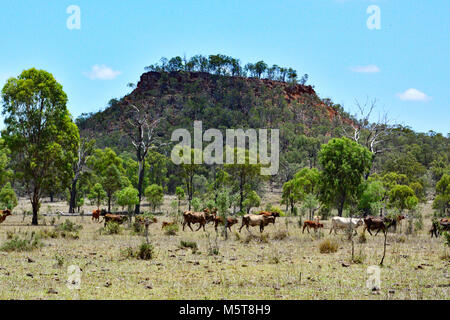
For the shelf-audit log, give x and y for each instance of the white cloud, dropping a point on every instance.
(101, 72)
(413, 95)
(371, 68)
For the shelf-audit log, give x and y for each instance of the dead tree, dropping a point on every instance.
(143, 138)
(372, 135)
(84, 150)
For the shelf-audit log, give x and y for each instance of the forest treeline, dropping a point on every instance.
(120, 158)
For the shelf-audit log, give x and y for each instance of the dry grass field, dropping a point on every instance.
(281, 264)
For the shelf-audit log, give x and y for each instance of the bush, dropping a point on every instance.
(69, 226)
(145, 251)
(189, 244)
(171, 230)
(111, 228)
(328, 246)
(16, 243)
(280, 235)
(138, 228)
(362, 238)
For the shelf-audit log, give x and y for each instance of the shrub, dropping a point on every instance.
(138, 228)
(145, 251)
(69, 226)
(328, 246)
(111, 228)
(362, 238)
(59, 260)
(171, 230)
(189, 244)
(280, 235)
(17, 243)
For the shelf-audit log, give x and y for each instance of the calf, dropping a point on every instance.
(196, 217)
(373, 224)
(4, 214)
(220, 220)
(311, 224)
(345, 223)
(256, 220)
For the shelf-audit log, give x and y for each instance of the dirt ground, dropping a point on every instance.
(261, 267)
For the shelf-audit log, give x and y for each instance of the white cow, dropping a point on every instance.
(345, 223)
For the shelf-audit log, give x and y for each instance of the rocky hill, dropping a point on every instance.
(220, 102)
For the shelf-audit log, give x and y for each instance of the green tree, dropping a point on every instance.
(97, 194)
(345, 164)
(128, 197)
(179, 191)
(402, 197)
(109, 168)
(8, 198)
(38, 130)
(442, 200)
(372, 197)
(243, 176)
(252, 200)
(155, 195)
(196, 204)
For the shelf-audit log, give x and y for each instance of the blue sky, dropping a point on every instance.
(405, 64)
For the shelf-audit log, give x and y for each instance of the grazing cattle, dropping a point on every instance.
(345, 223)
(196, 217)
(372, 224)
(269, 214)
(141, 219)
(213, 211)
(253, 220)
(109, 217)
(97, 213)
(311, 224)
(166, 224)
(220, 220)
(438, 226)
(4, 214)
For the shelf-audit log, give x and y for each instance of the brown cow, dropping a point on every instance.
(4, 214)
(196, 217)
(438, 226)
(270, 214)
(97, 213)
(253, 220)
(166, 224)
(372, 224)
(220, 220)
(311, 224)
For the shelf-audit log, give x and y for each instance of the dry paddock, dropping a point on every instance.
(261, 268)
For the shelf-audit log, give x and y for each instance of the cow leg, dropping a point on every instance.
(378, 231)
(189, 225)
(331, 230)
(368, 229)
(303, 231)
(199, 226)
(184, 223)
(261, 228)
(241, 228)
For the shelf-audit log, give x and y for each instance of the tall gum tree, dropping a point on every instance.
(38, 130)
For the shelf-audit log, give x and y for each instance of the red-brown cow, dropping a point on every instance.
(311, 224)
(372, 224)
(196, 217)
(220, 220)
(273, 214)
